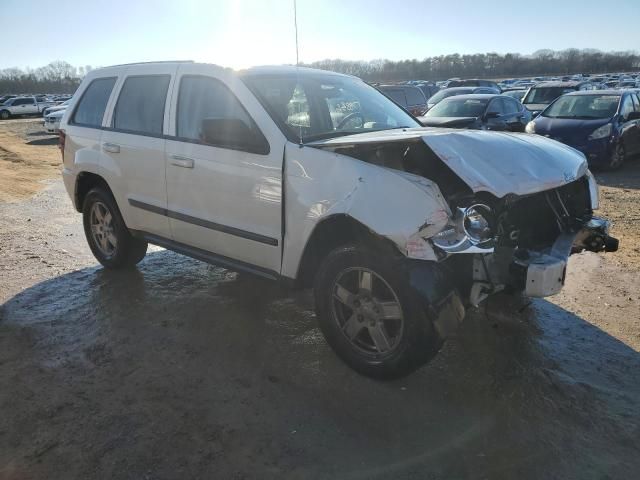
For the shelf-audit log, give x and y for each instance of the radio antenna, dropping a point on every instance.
(295, 24)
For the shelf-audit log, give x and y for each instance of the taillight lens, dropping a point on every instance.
(62, 137)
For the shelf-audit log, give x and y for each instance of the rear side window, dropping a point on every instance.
(397, 96)
(24, 101)
(415, 96)
(93, 103)
(140, 107)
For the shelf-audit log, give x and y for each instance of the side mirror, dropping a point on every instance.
(232, 133)
(490, 115)
(633, 116)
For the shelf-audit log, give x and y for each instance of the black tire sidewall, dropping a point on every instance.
(5, 115)
(419, 342)
(127, 249)
(614, 154)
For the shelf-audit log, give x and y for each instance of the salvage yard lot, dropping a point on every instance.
(184, 370)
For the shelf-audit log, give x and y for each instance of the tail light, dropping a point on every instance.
(62, 137)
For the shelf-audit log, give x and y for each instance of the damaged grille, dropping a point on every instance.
(535, 221)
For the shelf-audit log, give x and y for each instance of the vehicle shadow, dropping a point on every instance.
(44, 141)
(40, 133)
(179, 366)
(628, 176)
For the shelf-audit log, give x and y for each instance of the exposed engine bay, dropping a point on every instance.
(514, 241)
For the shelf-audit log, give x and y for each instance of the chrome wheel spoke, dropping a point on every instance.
(344, 296)
(366, 280)
(112, 239)
(107, 218)
(390, 311)
(352, 327)
(379, 337)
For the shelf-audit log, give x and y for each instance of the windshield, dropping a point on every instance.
(318, 107)
(545, 95)
(459, 107)
(584, 107)
(517, 94)
(442, 94)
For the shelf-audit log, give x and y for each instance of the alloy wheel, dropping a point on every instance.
(367, 311)
(102, 229)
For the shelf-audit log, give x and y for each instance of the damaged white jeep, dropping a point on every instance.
(319, 179)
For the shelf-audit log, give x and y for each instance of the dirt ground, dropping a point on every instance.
(184, 370)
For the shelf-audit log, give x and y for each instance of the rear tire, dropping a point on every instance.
(109, 238)
(370, 315)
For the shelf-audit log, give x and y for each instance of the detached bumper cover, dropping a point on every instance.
(542, 274)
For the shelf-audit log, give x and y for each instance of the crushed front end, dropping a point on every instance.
(522, 243)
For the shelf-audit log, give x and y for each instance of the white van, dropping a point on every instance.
(317, 179)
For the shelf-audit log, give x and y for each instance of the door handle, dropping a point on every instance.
(180, 161)
(111, 147)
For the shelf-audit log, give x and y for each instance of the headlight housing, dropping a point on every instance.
(476, 223)
(601, 132)
(531, 127)
(472, 228)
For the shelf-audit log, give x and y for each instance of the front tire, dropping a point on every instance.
(109, 239)
(370, 315)
(5, 115)
(617, 157)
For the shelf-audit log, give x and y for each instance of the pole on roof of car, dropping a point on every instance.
(295, 24)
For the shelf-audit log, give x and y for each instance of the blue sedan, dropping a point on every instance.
(602, 124)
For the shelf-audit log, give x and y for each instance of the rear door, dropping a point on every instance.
(133, 146)
(225, 197)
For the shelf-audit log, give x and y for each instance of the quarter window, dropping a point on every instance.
(140, 106)
(94, 102)
(201, 98)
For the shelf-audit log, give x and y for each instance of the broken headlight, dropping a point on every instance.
(470, 227)
(477, 222)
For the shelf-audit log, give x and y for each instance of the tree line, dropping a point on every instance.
(62, 77)
(56, 77)
(487, 65)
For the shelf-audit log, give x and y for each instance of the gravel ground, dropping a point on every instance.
(184, 370)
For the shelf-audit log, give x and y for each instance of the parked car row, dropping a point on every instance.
(21, 105)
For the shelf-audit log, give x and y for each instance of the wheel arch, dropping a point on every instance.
(332, 232)
(86, 181)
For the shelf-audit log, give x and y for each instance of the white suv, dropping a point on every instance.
(318, 179)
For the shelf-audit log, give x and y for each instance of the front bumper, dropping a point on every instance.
(598, 152)
(537, 273)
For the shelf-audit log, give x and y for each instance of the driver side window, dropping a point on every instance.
(495, 106)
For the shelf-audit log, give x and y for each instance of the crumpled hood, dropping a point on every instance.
(496, 162)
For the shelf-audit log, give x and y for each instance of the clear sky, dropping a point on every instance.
(241, 33)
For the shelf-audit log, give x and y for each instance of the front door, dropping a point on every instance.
(224, 193)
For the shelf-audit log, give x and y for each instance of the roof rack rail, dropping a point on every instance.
(145, 63)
